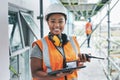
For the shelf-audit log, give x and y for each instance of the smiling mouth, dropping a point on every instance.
(57, 29)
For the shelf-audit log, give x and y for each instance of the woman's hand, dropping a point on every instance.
(83, 58)
(61, 74)
(45, 76)
(41, 75)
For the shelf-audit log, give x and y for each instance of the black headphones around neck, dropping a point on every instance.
(58, 40)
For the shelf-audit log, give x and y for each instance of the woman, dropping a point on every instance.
(55, 50)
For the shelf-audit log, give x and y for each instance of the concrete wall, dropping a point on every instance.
(4, 41)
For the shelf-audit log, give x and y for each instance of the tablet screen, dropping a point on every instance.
(71, 64)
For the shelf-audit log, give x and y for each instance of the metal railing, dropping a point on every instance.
(111, 65)
(112, 72)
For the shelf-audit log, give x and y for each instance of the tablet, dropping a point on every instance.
(64, 70)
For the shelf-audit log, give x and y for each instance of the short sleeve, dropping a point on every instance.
(36, 52)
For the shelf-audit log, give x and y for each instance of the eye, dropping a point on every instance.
(61, 22)
(52, 21)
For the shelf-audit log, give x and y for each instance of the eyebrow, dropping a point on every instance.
(55, 19)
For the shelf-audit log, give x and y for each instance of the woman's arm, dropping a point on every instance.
(36, 67)
(39, 74)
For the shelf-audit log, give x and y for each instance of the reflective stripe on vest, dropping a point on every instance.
(46, 53)
(73, 44)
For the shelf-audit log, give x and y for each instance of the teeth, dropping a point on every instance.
(56, 29)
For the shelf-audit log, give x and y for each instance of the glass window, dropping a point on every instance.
(20, 67)
(14, 32)
(14, 67)
(32, 25)
(24, 67)
(19, 53)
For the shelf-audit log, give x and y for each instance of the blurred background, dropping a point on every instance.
(22, 22)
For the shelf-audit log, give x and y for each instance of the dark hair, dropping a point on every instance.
(47, 16)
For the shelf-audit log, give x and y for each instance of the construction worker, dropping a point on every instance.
(55, 50)
(88, 30)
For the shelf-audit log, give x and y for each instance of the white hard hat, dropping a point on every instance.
(56, 8)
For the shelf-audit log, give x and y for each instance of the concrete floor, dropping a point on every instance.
(93, 70)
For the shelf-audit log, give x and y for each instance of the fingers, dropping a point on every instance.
(83, 57)
(80, 63)
(61, 74)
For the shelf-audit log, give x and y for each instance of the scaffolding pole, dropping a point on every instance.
(108, 14)
(41, 18)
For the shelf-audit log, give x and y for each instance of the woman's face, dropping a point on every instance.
(56, 23)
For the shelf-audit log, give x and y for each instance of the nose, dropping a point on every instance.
(57, 24)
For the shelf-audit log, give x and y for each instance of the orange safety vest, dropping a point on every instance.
(56, 59)
(88, 28)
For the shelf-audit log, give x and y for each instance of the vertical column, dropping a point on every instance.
(4, 41)
(109, 72)
(41, 18)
